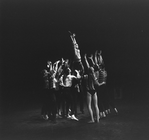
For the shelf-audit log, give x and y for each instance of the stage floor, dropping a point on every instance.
(132, 123)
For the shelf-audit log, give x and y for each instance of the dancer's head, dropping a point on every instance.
(49, 63)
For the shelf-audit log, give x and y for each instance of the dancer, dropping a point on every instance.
(45, 102)
(57, 71)
(67, 95)
(77, 65)
(77, 56)
(48, 110)
(107, 100)
(102, 90)
(75, 90)
(91, 80)
(52, 97)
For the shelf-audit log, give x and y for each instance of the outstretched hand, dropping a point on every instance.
(62, 61)
(74, 34)
(70, 32)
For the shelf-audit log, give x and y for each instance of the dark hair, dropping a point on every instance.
(96, 68)
(102, 66)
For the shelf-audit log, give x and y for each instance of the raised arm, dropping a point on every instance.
(60, 69)
(91, 58)
(72, 36)
(96, 57)
(74, 40)
(55, 66)
(99, 58)
(87, 64)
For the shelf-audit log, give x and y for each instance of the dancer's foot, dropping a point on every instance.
(58, 116)
(109, 111)
(91, 121)
(74, 118)
(115, 110)
(104, 115)
(68, 116)
(97, 120)
(45, 117)
(101, 115)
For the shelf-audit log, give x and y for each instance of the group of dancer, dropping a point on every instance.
(67, 84)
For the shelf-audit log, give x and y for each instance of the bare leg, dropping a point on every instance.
(89, 99)
(96, 106)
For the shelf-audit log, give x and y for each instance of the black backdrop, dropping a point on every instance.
(33, 32)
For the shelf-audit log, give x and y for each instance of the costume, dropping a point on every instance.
(89, 84)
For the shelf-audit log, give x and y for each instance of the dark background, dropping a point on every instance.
(33, 32)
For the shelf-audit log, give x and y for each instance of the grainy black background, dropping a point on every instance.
(33, 32)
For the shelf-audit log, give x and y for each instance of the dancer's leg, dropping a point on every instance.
(89, 99)
(95, 99)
